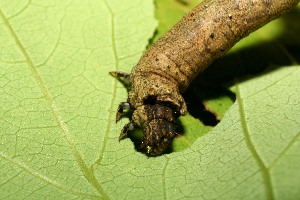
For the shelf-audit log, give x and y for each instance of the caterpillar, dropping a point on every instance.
(166, 69)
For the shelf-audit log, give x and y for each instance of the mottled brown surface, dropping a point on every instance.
(158, 124)
(207, 32)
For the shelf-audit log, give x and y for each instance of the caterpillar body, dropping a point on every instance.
(167, 68)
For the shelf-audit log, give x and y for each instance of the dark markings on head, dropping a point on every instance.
(167, 68)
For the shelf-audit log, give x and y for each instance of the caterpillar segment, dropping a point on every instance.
(166, 69)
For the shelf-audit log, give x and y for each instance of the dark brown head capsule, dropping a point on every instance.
(168, 66)
(158, 124)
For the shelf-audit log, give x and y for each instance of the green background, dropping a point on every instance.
(58, 137)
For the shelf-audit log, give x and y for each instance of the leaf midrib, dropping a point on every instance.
(114, 93)
(264, 170)
(83, 166)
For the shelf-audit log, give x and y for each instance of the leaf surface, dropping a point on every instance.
(57, 100)
(58, 138)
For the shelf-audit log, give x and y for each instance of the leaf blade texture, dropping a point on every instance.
(58, 138)
(55, 58)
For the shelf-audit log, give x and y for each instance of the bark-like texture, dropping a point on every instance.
(168, 66)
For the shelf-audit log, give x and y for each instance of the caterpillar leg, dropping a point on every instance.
(122, 76)
(127, 128)
(126, 80)
(123, 106)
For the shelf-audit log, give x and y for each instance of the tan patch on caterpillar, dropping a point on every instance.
(167, 68)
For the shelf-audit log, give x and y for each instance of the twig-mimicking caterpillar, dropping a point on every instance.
(166, 69)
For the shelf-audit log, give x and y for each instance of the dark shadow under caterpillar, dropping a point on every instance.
(167, 68)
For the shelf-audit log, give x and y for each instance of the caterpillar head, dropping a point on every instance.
(158, 135)
(158, 124)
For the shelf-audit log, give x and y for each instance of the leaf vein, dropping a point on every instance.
(83, 166)
(264, 170)
(114, 93)
(285, 150)
(21, 11)
(42, 177)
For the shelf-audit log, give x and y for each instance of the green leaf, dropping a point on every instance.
(57, 99)
(58, 138)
